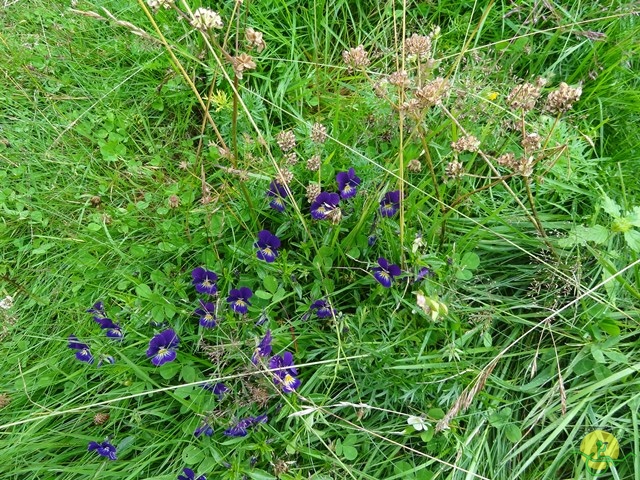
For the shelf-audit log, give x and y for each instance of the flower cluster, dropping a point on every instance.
(205, 19)
(240, 428)
(285, 372)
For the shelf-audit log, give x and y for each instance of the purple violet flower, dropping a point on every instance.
(267, 245)
(106, 359)
(323, 308)
(263, 349)
(286, 373)
(207, 314)
(278, 193)
(104, 449)
(239, 299)
(97, 309)
(190, 475)
(204, 281)
(218, 389)
(162, 347)
(240, 428)
(385, 272)
(423, 273)
(82, 349)
(324, 204)
(348, 183)
(204, 428)
(113, 329)
(390, 203)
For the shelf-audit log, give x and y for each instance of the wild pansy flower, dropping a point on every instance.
(348, 183)
(385, 272)
(97, 309)
(263, 349)
(204, 428)
(423, 273)
(240, 428)
(324, 204)
(390, 203)
(113, 329)
(106, 359)
(218, 389)
(239, 299)
(104, 449)
(287, 373)
(267, 245)
(371, 240)
(278, 193)
(204, 281)
(322, 308)
(190, 475)
(207, 314)
(82, 349)
(162, 347)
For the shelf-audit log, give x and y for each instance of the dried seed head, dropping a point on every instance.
(291, 158)
(313, 164)
(507, 160)
(318, 133)
(106, 218)
(414, 166)
(183, 165)
(5, 400)
(454, 169)
(418, 46)
(174, 201)
(412, 107)
(313, 190)
(284, 177)
(95, 201)
(562, 99)
(335, 216)
(400, 79)
(6, 303)
(531, 141)
(286, 140)
(433, 92)
(468, 143)
(100, 418)
(204, 19)
(356, 58)
(525, 166)
(254, 39)
(157, 4)
(241, 63)
(524, 97)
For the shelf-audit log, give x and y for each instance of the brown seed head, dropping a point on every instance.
(286, 140)
(157, 4)
(318, 133)
(454, 169)
(414, 166)
(254, 39)
(241, 63)
(523, 97)
(562, 99)
(5, 400)
(468, 143)
(100, 418)
(174, 201)
(313, 190)
(284, 177)
(95, 201)
(313, 164)
(433, 92)
(205, 19)
(507, 160)
(531, 141)
(418, 46)
(400, 79)
(291, 158)
(356, 58)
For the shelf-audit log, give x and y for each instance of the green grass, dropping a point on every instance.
(536, 278)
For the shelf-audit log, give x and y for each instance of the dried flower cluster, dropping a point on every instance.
(313, 190)
(525, 96)
(562, 99)
(254, 39)
(531, 141)
(356, 58)
(468, 143)
(454, 169)
(204, 19)
(286, 140)
(418, 46)
(318, 133)
(241, 63)
(414, 166)
(400, 79)
(291, 158)
(433, 92)
(155, 5)
(284, 177)
(313, 164)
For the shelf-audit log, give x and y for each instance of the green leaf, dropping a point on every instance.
(349, 452)
(262, 294)
(464, 274)
(169, 370)
(260, 475)
(617, 357)
(632, 237)
(143, 290)
(610, 326)
(597, 354)
(188, 374)
(634, 217)
(270, 283)
(470, 260)
(611, 207)
(192, 455)
(436, 413)
(512, 432)
(580, 235)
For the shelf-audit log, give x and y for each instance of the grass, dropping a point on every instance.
(114, 188)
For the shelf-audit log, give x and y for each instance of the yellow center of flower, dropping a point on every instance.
(288, 380)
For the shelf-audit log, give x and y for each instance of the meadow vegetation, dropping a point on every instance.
(318, 240)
